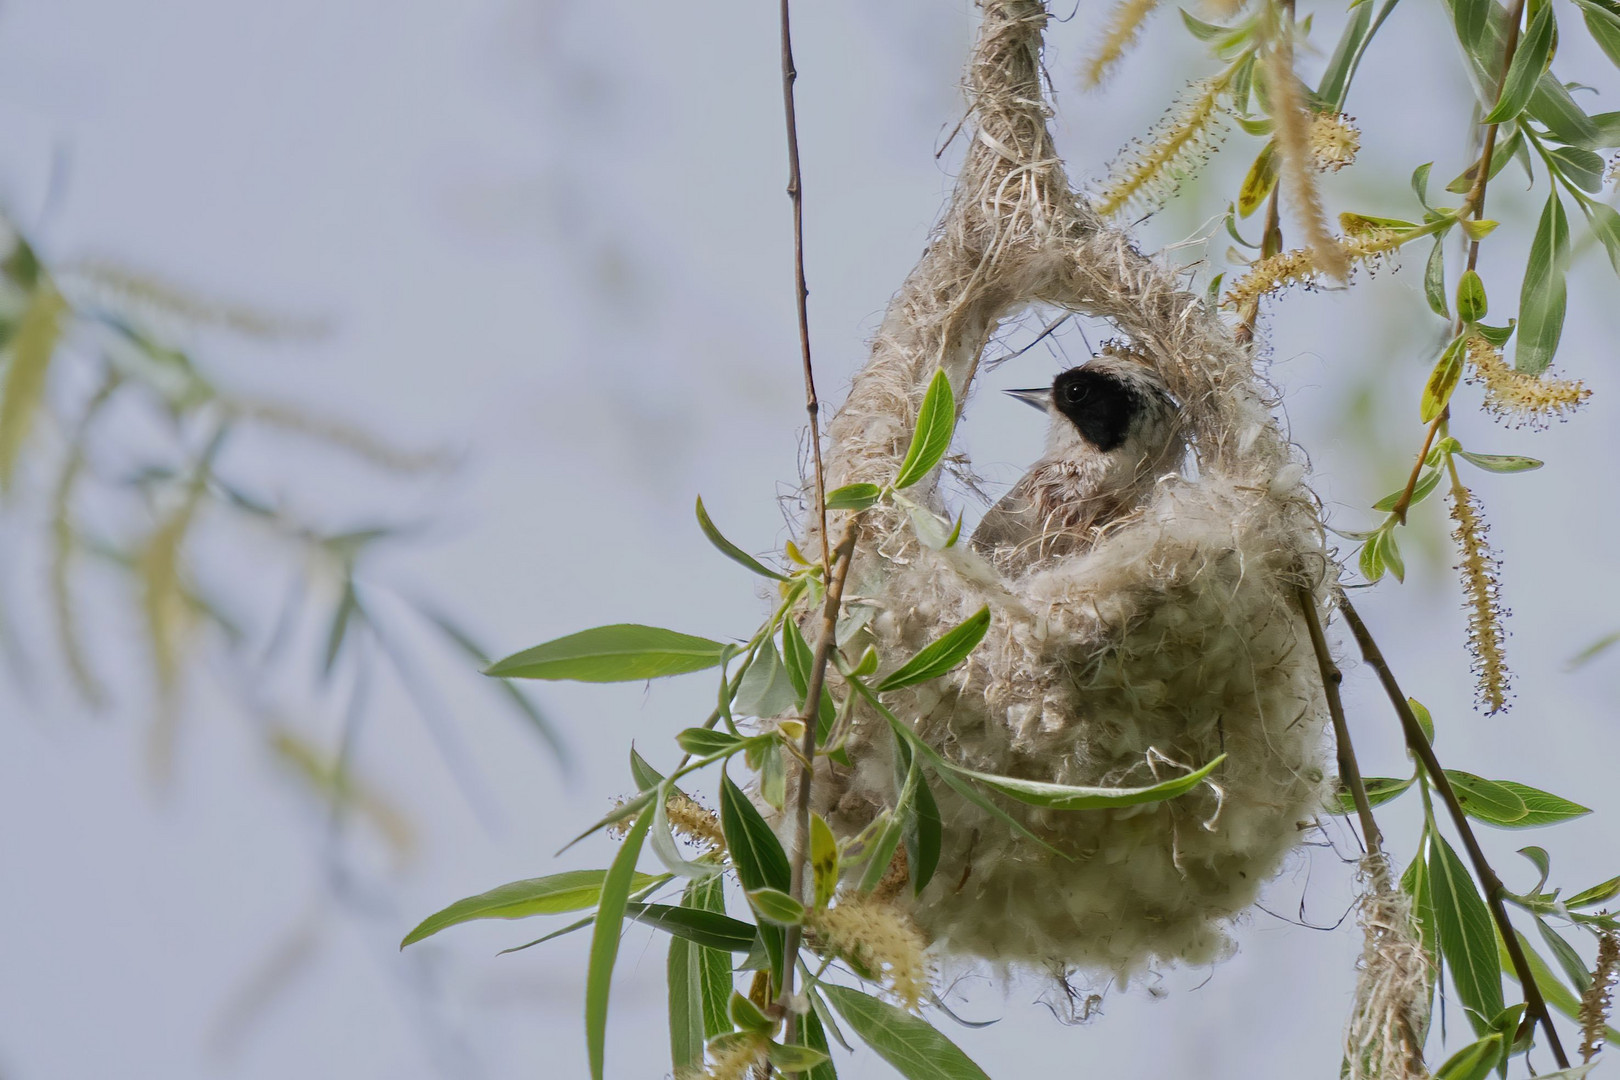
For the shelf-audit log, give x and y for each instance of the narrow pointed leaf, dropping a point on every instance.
(685, 990)
(1486, 800)
(1442, 380)
(941, 655)
(936, 421)
(1542, 807)
(756, 853)
(1597, 894)
(730, 550)
(625, 652)
(1467, 935)
(605, 942)
(1073, 797)
(1501, 463)
(823, 860)
(710, 929)
(853, 497)
(1529, 61)
(32, 346)
(550, 895)
(777, 906)
(1434, 279)
(915, 1048)
(1543, 298)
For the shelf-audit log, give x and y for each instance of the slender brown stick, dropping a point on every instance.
(843, 556)
(1418, 743)
(795, 190)
(1475, 202)
(1349, 769)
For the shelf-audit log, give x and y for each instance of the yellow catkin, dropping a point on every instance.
(1334, 140)
(1518, 397)
(1299, 266)
(1293, 120)
(1596, 1001)
(880, 938)
(695, 823)
(1124, 24)
(1149, 170)
(739, 1056)
(1481, 581)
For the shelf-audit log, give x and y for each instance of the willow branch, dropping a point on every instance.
(795, 190)
(1418, 743)
(1349, 768)
(843, 556)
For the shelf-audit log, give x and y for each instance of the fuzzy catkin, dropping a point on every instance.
(1170, 641)
(1389, 1022)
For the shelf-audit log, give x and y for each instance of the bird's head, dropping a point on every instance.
(1110, 405)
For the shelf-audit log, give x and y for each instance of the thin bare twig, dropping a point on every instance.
(1349, 768)
(843, 556)
(1418, 743)
(795, 190)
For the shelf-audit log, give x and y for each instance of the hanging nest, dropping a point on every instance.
(1174, 638)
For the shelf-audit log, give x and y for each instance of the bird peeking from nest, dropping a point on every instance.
(1114, 431)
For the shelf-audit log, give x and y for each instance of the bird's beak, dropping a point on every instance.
(1040, 397)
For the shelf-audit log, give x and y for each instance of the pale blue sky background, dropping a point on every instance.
(554, 237)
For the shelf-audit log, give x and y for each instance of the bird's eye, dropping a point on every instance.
(1074, 392)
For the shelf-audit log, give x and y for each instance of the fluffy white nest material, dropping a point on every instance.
(1175, 638)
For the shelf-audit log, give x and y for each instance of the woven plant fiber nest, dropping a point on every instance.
(1176, 637)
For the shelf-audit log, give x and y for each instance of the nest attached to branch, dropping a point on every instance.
(1174, 638)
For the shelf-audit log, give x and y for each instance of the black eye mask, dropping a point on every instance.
(1098, 404)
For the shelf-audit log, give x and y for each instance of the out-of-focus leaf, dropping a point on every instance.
(32, 346)
(936, 422)
(625, 652)
(1542, 300)
(911, 1045)
(730, 550)
(478, 655)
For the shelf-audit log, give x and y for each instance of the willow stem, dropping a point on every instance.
(1418, 743)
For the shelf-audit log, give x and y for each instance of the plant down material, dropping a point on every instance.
(1168, 642)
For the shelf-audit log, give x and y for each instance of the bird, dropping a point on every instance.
(1114, 430)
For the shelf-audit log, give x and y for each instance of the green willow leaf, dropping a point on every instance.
(1580, 166)
(765, 689)
(795, 1058)
(1529, 62)
(616, 889)
(730, 550)
(912, 1046)
(1542, 301)
(1380, 790)
(824, 860)
(1336, 77)
(1552, 105)
(1597, 894)
(1390, 549)
(1543, 808)
(1604, 26)
(1605, 225)
(1072, 797)
(756, 853)
(685, 989)
(1471, 303)
(1467, 935)
(879, 855)
(1501, 463)
(936, 422)
(1371, 560)
(746, 1015)
(853, 497)
(1486, 800)
(1474, 1061)
(924, 835)
(1568, 959)
(1425, 485)
(777, 906)
(710, 929)
(714, 966)
(1261, 178)
(550, 895)
(812, 1036)
(1434, 279)
(940, 655)
(625, 652)
(703, 742)
(1443, 379)
(32, 346)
